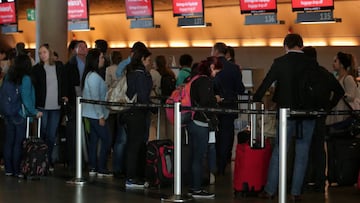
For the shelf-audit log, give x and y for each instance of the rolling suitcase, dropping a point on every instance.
(344, 160)
(35, 161)
(251, 167)
(159, 169)
(252, 157)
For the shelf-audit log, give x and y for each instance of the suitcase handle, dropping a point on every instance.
(28, 127)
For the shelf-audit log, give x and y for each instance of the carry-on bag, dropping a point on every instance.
(252, 156)
(159, 163)
(35, 161)
(344, 160)
(251, 166)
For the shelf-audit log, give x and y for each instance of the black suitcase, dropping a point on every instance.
(343, 160)
(35, 162)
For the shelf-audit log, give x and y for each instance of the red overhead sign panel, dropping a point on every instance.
(139, 8)
(299, 5)
(257, 6)
(188, 7)
(7, 13)
(77, 9)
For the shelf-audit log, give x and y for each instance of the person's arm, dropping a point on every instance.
(266, 83)
(349, 88)
(240, 87)
(93, 81)
(121, 67)
(338, 91)
(27, 97)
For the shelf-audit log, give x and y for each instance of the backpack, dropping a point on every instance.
(314, 89)
(159, 170)
(168, 84)
(117, 93)
(10, 98)
(181, 94)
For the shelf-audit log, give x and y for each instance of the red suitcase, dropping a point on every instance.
(251, 166)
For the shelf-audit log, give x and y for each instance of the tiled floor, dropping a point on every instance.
(54, 189)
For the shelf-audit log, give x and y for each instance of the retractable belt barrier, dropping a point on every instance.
(283, 113)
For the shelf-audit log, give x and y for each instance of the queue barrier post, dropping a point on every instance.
(177, 196)
(78, 180)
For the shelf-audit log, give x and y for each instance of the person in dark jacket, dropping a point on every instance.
(139, 83)
(202, 95)
(229, 82)
(285, 72)
(48, 84)
(317, 158)
(73, 73)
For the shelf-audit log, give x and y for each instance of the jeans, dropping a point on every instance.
(49, 125)
(302, 147)
(317, 156)
(198, 141)
(119, 149)
(224, 141)
(14, 137)
(98, 132)
(211, 155)
(136, 147)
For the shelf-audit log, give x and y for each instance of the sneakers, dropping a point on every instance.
(8, 174)
(265, 195)
(212, 179)
(131, 183)
(92, 172)
(202, 194)
(104, 173)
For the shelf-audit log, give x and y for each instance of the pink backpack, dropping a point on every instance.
(181, 94)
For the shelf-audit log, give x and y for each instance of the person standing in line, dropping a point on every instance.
(229, 81)
(139, 83)
(48, 84)
(122, 65)
(317, 158)
(73, 73)
(202, 95)
(344, 66)
(285, 72)
(95, 88)
(15, 126)
(230, 54)
(185, 61)
(117, 128)
(102, 45)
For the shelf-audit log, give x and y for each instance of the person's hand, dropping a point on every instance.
(65, 99)
(39, 114)
(218, 98)
(101, 121)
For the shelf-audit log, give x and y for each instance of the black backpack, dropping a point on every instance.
(314, 89)
(168, 84)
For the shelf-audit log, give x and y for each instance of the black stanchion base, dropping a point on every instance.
(178, 198)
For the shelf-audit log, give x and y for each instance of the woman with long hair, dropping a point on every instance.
(95, 88)
(344, 67)
(15, 125)
(47, 80)
(139, 83)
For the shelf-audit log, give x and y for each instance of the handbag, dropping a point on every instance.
(349, 127)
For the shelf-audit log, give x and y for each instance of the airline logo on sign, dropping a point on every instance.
(181, 7)
(77, 9)
(139, 8)
(7, 12)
